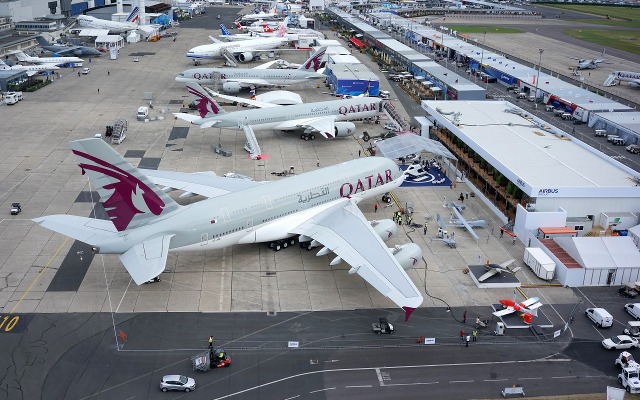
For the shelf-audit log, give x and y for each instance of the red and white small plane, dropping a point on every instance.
(527, 308)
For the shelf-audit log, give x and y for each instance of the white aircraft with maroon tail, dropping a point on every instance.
(320, 206)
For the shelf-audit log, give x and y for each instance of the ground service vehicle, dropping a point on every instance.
(625, 360)
(633, 309)
(177, 382)
(600, 317)
(628, 378)
(628, 291)
(632, 328)
(620, 342)
(15, 208)
(382, 326)
(540, 263)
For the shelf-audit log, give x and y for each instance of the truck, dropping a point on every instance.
(382, 326)
(629, 376)
(540, 263)
(11, 98)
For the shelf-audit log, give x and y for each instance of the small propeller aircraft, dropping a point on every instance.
(493, 269)
(527, 308)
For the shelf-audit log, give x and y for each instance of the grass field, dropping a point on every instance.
(482, 29)
(622, 13)
(625, 40)
(610, 22)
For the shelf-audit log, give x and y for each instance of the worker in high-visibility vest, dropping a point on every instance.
(210, 342)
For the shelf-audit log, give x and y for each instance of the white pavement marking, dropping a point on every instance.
(529, 379)
(321, 390)
(564, 377)
(358, 386)
(294, 397)
(412, 384)
(379, 377)
(495, 380)
(123, 294)
(461, 381)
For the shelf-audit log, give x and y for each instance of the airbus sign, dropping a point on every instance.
(546, 192)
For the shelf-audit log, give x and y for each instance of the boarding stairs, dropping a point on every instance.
(119, 131)
(252, 143)
(230, 59)
(216, 81)
(612, 80)
(391, 112)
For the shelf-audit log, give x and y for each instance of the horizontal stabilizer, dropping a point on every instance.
(87, 230)
(148, 259)
(187, 117)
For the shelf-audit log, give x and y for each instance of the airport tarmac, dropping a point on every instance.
(45, 272)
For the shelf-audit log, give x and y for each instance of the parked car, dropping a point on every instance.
(85, 71)
(177, 382)
(628, 291)
(633, 309)
(620, 342)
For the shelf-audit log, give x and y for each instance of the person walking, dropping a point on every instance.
(98, 90)
(210, 342)
(318, 162)
(108, 72)
(475, 335)
(375, 207)
(461, 334)
(464, 317)
(425, 228)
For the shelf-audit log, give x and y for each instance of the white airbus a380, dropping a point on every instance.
(320, 206)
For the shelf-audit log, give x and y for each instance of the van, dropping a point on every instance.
(633, 309)
(532, 97)
(10, 99)
(617, 141)
(558, 112)
(384, 94)
(143, 113)
(600, 317)
(17, 95)
(549, 108)
(611, 137)
(522, 95)
(601, 132)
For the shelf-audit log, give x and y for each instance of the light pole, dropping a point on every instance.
(535, 99)
(484, 38)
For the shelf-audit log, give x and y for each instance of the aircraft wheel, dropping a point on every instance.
(277, 247)
(271, 245)
(309, 248)
(366, 137)
(292, 241)
(306, 138)
(285, 244)
(313, 137)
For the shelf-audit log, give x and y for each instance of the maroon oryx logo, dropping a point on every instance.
(316, 60)
(130, 195)
(203, 103)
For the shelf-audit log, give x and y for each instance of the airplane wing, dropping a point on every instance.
(488, 274)
(68, 50)
(148, 259)
(255, 103)
(506, 264)
(266, 65)
(506, 311)
(203, 183)
(532, 303)
(31, 73)
(323, 125)
(465, 223)
(344, 230)
(214, 40)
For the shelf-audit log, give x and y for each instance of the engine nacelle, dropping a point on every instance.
(231, 87)
(245, 57)
(343, 129)
(385, 228)
(408, 255)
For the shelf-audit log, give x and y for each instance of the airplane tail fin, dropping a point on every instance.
(42, 41)
(239, 26)
(2, 64)
(282, 29)
(20, 55)
(314, 63)
(224, 30)
(207, 106)
(134, 15)
(128, 196)
(267, 29)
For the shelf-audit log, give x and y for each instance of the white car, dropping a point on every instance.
(85, 71)
(633, 309)
(620, 342)
(177, 382)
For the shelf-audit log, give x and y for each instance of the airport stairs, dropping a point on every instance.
(391, 112)
(252, 143)
(216, 81)
(611, 80)
(231, 60)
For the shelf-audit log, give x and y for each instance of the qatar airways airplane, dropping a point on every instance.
(320, 206)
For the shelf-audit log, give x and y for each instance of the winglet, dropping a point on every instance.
(407, 312)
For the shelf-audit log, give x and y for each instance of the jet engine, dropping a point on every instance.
(385, 228)
(245, 57)
(343, 129)
(408, 255)
(231, 87)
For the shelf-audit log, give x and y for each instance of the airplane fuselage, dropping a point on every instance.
(267, 212)
(53, 60)
(272, 76)
(113, 26)
(215, 50)
(272, 117)
(81, 50)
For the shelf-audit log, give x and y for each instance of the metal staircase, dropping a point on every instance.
(612, 80)
(231, 60)
(216, 81)
(394, 116)
(252, 143)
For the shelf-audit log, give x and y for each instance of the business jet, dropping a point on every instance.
(633, 78)
(46, 60)
(321, 206)
(243, 50)
(235, 79)
(588, 63)
(62, 50)
(30, 69)
(272, 13)
(131, 23)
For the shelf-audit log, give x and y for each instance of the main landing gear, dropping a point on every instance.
(278, 245)
(307, 136)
